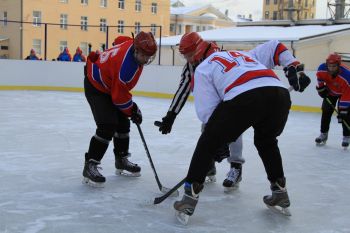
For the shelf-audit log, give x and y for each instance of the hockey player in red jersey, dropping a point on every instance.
(334, 86)
(233, 92)
(109, 78)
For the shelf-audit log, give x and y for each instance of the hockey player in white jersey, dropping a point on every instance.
(233, 92)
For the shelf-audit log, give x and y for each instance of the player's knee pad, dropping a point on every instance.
(121, 135)
(105, 132)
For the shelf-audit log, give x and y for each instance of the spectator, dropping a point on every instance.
(78, 56)
(65, 55)
(32, 55)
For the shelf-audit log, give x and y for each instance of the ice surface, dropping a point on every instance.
(43, 138)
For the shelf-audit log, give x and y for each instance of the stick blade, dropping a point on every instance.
(174, 194)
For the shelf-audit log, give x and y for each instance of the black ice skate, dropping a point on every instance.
(322, 139)
(125, 167)
(279, 200)
(91, 174)
(211, 175)
(345, 142)
(234, 177)
(185, 208)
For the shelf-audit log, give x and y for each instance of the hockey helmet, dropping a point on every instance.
(333, 59)
(204, 50)
(145, 42)
(189, 42)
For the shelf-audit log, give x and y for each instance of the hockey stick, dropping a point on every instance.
(161, 187)
(334, 108)
(160, 199)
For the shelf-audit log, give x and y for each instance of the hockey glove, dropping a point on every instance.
(322, 91)
(136, 115)
(222, 153)
(296, 77)
(167, 122)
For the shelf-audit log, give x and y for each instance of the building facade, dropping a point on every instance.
(56, 24)
(289, 9)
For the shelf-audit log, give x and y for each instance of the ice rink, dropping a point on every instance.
(43, 138)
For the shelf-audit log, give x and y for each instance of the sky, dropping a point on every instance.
(254, 7)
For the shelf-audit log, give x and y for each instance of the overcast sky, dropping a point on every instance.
(254, 7)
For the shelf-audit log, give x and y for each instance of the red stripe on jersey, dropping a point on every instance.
(279, 49)
(250, 75)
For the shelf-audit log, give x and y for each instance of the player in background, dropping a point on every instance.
(109, 77)
(333, 86)
(271, 54)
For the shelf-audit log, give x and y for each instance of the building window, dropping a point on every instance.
(121, 4)
(305, 15)
(172, 27)
(275, 2)
(198, 28)
(274, 17)
(84, 47)
(137, 27)
(37, 18)
(180, 30)
(153, 29)
(267, 2)
(83, 23)
(63, 21)
(306, 3)
(138, 5)
(203, 28)
(121, 26)
(103, 3)
(313, 3)
(267, 14)
(154, 8)
(103, 25)
(312, 15)
(37, 45)
(64, 1)
(4, 17)
(63, 45)
(84, 2)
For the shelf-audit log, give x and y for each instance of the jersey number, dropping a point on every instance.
(228, 64)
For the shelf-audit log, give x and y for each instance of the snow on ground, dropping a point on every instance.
(44, 136)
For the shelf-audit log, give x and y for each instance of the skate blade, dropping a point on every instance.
(230, 189)
(120, 172)
(320, 143)
(280, 210)
(210, 179)
(174, 194)
(91, 183)
(182, 217)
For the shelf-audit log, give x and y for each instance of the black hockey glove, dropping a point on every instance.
(167, 122)
(222, 153)
(136, 115)
(296, 77)
(322, 91)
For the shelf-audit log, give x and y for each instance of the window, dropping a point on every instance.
(137, 27)
(37, 18)
(180, 30)
(267, 2)
(64, 1)
(305, 15)
(275, 2)
(312, 15)
(121, 26)
(154, 8)
(84, 47)
(306, 3)
(102, 47)
(103, 25)
(138, 5)
(313, 2)
(84, 2)
(153, 29)
(63, 21)
(121, 4)
(37, 45)
(203, 28)
(267, 14)
(198, 28)
(63, 44)
(274, 17)
(83, 23)
(103, 3)
(4, 17)
(172, 27)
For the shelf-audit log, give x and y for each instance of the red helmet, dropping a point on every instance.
(145, 43)
(121, 39)
(204, 50)
(189, 42)
(333, 59)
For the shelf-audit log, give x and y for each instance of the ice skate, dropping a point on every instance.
(322, 139)
(345, 142)
(126, 168)
(186, 206)
(91, 174)
(279, 200)
(211, 175)
(234, 177)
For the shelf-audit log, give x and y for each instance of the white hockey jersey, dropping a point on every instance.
(224, 75)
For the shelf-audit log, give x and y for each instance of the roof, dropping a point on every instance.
(262, 33)
(2, 38)
(186, 9)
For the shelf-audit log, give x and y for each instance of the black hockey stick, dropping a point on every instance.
(161, 187)
(160, 199)
(335, 109)
(158, 123)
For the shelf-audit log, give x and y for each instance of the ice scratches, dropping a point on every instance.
(41, 223)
